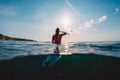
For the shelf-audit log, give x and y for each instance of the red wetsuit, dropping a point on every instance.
(57, 39)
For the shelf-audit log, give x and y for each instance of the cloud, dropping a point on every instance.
(72, 7)
(90, 23)
(7, 10)
(103, 18)
(87, 25)
(117, 10)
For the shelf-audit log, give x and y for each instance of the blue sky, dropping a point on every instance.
(85, 20)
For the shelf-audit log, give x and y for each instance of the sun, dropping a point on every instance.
(65, 20)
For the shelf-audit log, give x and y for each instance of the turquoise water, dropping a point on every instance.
(12, 49)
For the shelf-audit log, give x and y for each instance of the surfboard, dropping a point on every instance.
(50, 60)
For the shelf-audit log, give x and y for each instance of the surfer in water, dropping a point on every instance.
(56, 39)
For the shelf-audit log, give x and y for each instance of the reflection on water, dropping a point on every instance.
(66, 49)
(62, 49)
(56, 50)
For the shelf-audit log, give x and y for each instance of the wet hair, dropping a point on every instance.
(57, 31)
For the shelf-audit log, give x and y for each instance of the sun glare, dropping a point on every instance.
(66, 20)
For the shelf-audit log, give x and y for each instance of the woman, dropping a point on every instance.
(56, 38)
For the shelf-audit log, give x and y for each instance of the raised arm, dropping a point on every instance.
(63, 33)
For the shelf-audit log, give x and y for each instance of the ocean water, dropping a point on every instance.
(12, 49)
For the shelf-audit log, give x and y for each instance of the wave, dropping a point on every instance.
(108, 45)
(18, 48)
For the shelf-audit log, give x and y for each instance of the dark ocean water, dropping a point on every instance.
(12, 49)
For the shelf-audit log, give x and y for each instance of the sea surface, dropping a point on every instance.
(13, 49)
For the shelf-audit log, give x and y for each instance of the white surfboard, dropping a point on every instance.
(51, 60)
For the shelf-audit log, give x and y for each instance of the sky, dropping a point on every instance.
(84, 20)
